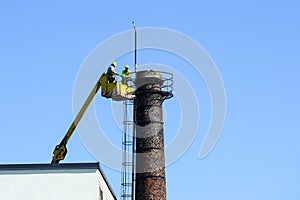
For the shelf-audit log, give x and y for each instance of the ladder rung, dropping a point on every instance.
(128, 123)
(127, 163)
(126, 184)
(126, 195)
(127, 142)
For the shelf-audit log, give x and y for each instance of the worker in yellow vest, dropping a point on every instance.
(126, 74)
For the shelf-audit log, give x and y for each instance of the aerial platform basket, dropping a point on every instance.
(116, 91)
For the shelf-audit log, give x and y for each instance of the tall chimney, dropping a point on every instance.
(150, 160)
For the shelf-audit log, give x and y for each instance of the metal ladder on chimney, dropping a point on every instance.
(127, 147)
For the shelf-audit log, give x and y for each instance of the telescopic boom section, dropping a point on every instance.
(60, 150)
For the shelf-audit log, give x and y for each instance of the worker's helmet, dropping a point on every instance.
(114, 63)
(126, 66)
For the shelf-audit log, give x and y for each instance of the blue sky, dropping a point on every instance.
(255, 45)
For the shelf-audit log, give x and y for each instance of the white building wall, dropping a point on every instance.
(104, 187)
(78, 184)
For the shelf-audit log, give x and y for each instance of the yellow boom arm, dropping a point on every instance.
(115, 91)
(60, 150)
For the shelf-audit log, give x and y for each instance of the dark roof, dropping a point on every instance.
(94, 165)
(49, 166)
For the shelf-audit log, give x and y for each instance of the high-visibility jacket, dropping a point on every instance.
(126, 73)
